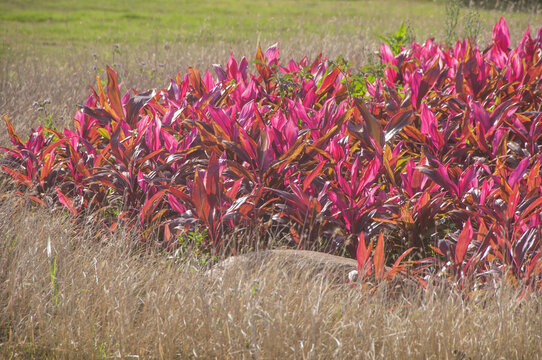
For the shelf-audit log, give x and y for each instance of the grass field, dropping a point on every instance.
(112, 301)
(81, 24)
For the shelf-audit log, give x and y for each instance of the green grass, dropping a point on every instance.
(50, 24)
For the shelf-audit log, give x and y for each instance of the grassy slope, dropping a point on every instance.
(131, 22)
(110, 302)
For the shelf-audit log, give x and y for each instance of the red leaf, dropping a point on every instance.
(195, 81)
(437, 250)
(328, 82)
(261, 64)
(427, 82)
(465, 237)
(66, 201)
(234, 189)
(199, 198)
(117, 148)
(308, 180)
(175, 204)
(397, 123)
(373, 126)
(295, 235)
(501, 35)
(17, 176)
(440, 177)
(167, 233)
(211, 180)
(429, 127)
(136, 104)
(150, 205)
(323, 141)
(535, 267)
(379, 257)
(513, 201)
(272, 54)
(178, 194)
(48, 162)
(369, 174)
(518, 172)
(534, 206)
(15, 139)
(397, 266)
(113, 92)
(362, 253)
(35, 199)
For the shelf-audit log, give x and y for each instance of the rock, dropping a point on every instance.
(306, 264)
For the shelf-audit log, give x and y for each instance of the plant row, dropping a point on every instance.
(436, 162)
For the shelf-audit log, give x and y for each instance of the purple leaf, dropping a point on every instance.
(518, 172)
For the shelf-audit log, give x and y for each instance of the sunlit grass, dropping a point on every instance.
(56, 24)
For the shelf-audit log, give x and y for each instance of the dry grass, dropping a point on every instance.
(113, 301)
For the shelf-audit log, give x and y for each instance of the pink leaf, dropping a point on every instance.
(369, 174)
(208, 81)
(467, 180)
(480, 115)
(501, 35)
(233, 67)
(220, 73)
(272, 54)
(429, 126)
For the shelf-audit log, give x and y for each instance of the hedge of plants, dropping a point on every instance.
(434, 158)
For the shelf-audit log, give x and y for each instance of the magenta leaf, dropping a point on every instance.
(501, 35)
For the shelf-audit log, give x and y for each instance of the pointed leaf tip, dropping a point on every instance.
(501, 34)
(113, 93)
(518, 172)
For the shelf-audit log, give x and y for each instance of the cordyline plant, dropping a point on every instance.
(437, 163)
